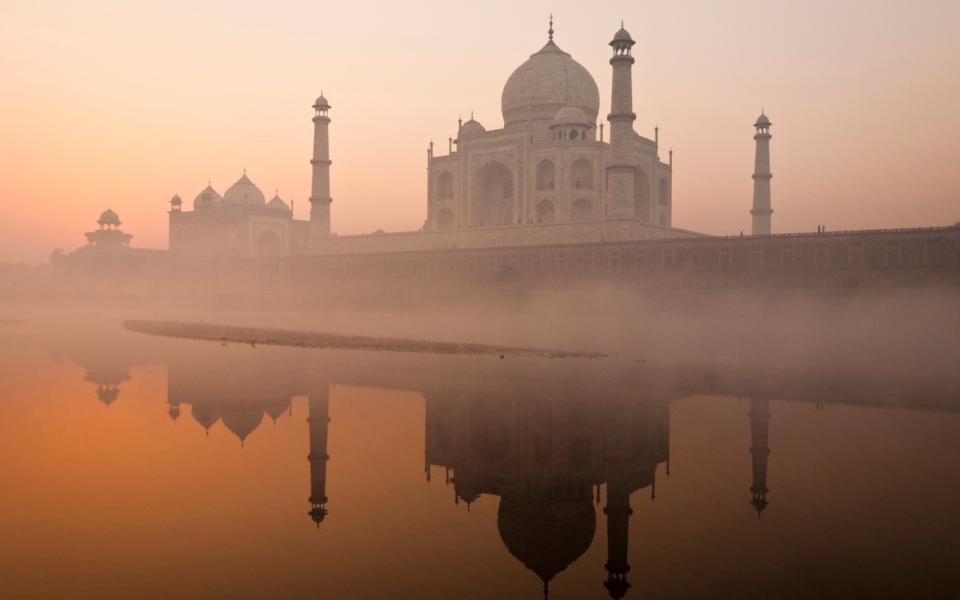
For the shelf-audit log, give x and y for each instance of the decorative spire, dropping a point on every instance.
(550, 31)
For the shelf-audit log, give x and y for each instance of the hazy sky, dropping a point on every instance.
(122, 104)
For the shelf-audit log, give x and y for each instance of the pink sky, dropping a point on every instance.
(119, 104)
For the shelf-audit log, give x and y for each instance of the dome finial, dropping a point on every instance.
(550, 31)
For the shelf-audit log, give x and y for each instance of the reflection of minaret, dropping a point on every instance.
(174, 410)
(619, 442)
(319, 421)
(759, 450)
(618, 513)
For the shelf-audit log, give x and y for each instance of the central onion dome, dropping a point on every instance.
(548, 81)
(243, 193)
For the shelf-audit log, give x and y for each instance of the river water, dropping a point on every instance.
(142, 467)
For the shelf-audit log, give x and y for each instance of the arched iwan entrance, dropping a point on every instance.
(492, 196)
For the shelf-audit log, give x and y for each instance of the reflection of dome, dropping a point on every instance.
(317, 514)
(546, 82)
(241, 420)
(471, 128)
(205, 415)
(276, 408)
(570, 115)
(243, 193)
(108, 217)
(277, 203)
(208, 198)
(546, 542)
(107, 394)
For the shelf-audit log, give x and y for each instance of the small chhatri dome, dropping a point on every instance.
(176, 201)
(243, 193)
(208, 198)
(622, 37)
(570, 115)
(471, 128)
(108, 217)
(763, 121)
(277, 203)
(321, 103)
(549, 80)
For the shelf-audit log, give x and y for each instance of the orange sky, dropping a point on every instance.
(123, 104)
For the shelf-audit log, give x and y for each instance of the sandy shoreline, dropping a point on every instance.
(314, 339)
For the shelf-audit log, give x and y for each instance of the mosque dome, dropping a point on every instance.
(277, 203)
(108, 217)
(762, 121)
(321, 103)
(545, 541)
(208, 198)
(243, 193)
(570, 115)
(471, 128)
(548, 81)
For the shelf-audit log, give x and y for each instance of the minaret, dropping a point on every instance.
(761, 177)
(319, 421)
(320, 187)
(759, 450)
(620, 169)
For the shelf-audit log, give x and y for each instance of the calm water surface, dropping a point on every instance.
(143, 467)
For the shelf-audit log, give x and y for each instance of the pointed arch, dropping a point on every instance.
(546, 175)
(492, 196)
(641, 195)
(445, 186)
(581, 174)
(545, 212)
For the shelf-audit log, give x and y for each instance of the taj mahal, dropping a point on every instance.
(547, 176)
(555, 192)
